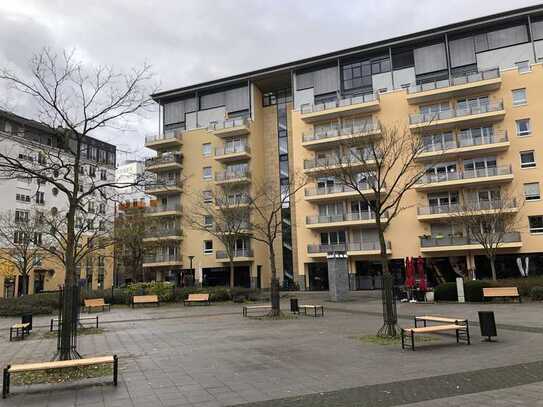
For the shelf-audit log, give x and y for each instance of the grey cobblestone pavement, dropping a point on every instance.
(211, 356)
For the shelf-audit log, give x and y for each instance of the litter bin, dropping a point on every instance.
(294, 306)
(27, 318)
(487, 323)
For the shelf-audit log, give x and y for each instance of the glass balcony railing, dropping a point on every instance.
(456, 80)
(221, 254)
(164, 159)
(343, 131)
(334, 189)
(163, 232)
(340, 217)
(229, 123)
(341, 247)
(163, 208)
(232, 201)
(355, 100)
(431, 117)
(466, 174)
(237, 149)
(162, 258)
(468, 206)
(440, 241)
(164, 184)
(232, 175)
(348, 159)
(467, 140)
(167, 135)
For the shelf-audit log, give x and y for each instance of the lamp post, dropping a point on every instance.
(191, 271)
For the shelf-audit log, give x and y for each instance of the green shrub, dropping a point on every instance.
(524, 284)
(44, 303)
(446, 292)
(536, 293)
(473, 290)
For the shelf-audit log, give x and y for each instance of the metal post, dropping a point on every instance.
(5, 382)
(115, 369)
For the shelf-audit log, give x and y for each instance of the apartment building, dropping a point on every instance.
(471, 88)
(131, 172)
(25, 139)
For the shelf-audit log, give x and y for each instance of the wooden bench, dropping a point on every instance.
(145, 299)
(59, 364)
(315, 308)
(443, 320)
(501, 292)
(55, 320)
(247, 308)
(20, 331)
(96, 303)
(462, 332)
(198, 298)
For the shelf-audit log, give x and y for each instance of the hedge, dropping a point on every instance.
(44, 303)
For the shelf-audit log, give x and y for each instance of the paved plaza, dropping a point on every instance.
(211, 356)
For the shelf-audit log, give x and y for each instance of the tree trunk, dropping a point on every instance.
(390, 317)
(274, 288)
(24, 284)
(231, 272)
(493, 267)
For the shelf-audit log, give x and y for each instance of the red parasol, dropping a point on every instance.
(409, 273)
(422, 276)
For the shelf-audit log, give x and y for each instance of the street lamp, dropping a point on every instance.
(191, 271)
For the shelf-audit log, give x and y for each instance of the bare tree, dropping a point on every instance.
(75, 101)
(266, 222)
(380, 167)
(488, 223)
(21, 237)
(224, 215)
(130, 229)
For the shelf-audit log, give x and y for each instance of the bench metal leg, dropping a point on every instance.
(402, 335)
(10, 334)
(115, 369)
(96, 321)
(467, 333)
(412, 340)
(51, 326)
(5, 382)
(415, 320)
(457, 336)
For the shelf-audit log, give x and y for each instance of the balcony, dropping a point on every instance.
(478, 82)
(333, 163)
(486, 113)
(232, 177)
(239, 255)
(429, 213)
(162, 260)
(492, 175)
(466, 146)
(162, 234)
(163, 210)
(352, 249)
(165, 162)
(233, 202)
(326, 139)
(341, 220)
(170, 139)
(343, 107)
(235, 153)
(511, 240)
(167, 186)
(335, 192)
(231, 127)
(243, 227)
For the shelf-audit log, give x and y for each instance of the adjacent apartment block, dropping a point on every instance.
(25, 138)
(473, 89)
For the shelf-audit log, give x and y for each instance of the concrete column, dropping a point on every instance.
(338, 277)
(352, 281)
(300, 279)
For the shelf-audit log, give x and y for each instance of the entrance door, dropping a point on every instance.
(318, 276)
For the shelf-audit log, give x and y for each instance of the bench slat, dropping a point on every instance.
(60, 364)
(95, 302)
(436, 328)
(257, 306)
(144, 298)
(501, 292)
(198, 297)
(438, 319)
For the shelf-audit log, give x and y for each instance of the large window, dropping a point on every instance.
(531, 191)
(527, 159)
(357, 75)
(277, 97)
(501, 38)
(536, 224)
(523, 127)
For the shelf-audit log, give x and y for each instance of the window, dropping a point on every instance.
(41, 158)
(206, 149)
(90, 224)
(92, 171)
(536, 224)
(523, 127)
(25, 157)
(22, 198)
(519, 97)
(21, 216)
(91, 206)
(523, 66)
(531, 191)
(207, 173)
(37, 238)
(102, 209)
(40, 197)
(208, 246)
(93, 153)
(208, 220)
(207, 197)
(19, 237)
(103, 175)
(527, 159)
(357, 75)
(103, 156)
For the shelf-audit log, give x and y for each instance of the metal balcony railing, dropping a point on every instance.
(456, 80)
(163, 208)
(161, 258)
(431, 117)
(164, 184)
(468, 206)
(341, 247)
(348, 159)
(366, 246)
(332, 132)
(321, 107)
(235, 149)
(429, 241)
(232, 201)
(162, 232)
(467, 140)
(221, 254)
(229, 123)
(167, 135)
(164, 159)
(466, 174)
(340, 217)
(232, 175)
(334, 189)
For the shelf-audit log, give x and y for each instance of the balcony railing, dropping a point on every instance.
(341, 247)
(164, 184)
(221, 254)
(340, 217)
(343, 131)
(467, 207)
(428, 241)
(232, 201)
(236, 149)
(161, 258)
(466, 174)
(163, 208)
(167, 135)
(456, 80)
(348, 159)
(229, 123)
(162, 232)
(164, 159)
(334, 189)
(467, 141)
(232, 175)
(321, 107)
(454, 113)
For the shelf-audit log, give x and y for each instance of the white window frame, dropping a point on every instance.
(532, 197)
(205, 250)
(537, 231)
(532, 164)
(207, 177)
(523, 133)
(519, 102)
(207, 149)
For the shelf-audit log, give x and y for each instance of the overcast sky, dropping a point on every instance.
(189, 41)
